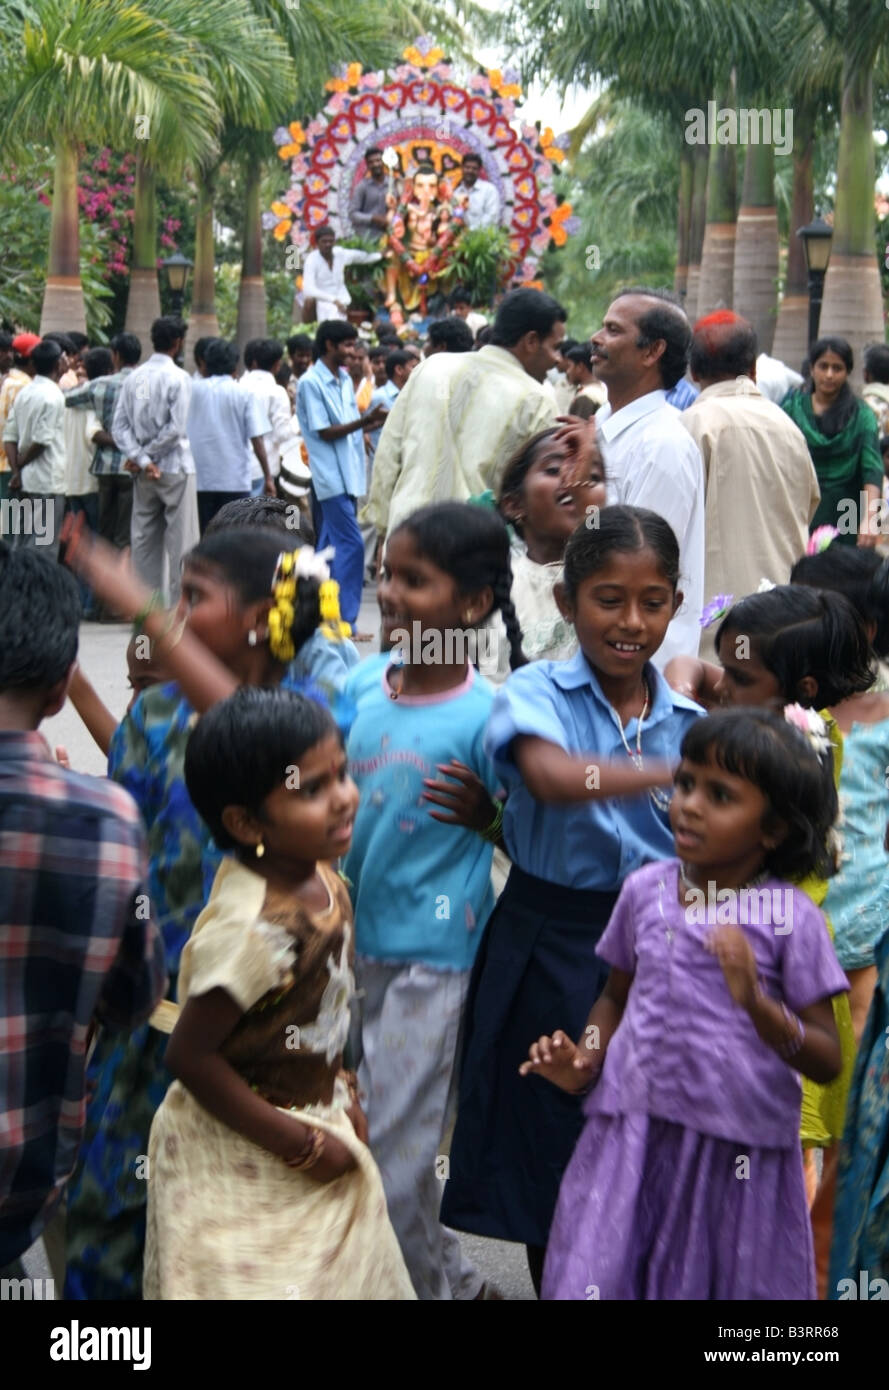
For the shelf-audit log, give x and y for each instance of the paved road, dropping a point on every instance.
(102, 656)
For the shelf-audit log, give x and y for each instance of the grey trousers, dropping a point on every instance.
(164, 524)
(409, 1030)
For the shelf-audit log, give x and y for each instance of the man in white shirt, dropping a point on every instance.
(462, 415)
(640, 352)
(34, 439)
(760, 483)
(461, 305)
(262, 358)
(324, 279)
(226, 425)
(480, 197)
(150, 428)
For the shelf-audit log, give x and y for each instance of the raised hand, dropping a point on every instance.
(563, 1063)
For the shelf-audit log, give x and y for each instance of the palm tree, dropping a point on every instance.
(853, 304)
(93, 71)
(792, 328)
(696, 222)
(227, 46)
(316, 36)
(718, 255)
(668, 56)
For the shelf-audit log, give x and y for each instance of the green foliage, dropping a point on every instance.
(481, 261)
(625, 193)
(279, 290)
(26, 217)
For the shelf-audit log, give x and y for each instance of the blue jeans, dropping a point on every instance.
(336, 525)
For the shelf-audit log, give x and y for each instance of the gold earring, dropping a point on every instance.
(260, 850)
(467, 616)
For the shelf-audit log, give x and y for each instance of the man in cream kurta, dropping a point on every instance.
(760, 485)
(462, 415)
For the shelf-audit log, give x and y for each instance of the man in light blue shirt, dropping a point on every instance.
(331, 427)
(226, 423)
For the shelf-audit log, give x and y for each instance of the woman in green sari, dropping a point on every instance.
(843, 439)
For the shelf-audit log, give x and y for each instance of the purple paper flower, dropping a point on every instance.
(424, 44)
(716, 608)
(571, 225)
(282, 136)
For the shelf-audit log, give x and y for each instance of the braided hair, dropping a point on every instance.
(471, 544)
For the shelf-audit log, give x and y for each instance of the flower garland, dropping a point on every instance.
(292, 566)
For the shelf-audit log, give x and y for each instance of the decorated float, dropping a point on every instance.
(425, 121)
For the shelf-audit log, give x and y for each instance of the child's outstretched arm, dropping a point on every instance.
(203, 677)
(560, 778)
(576, 1066)
(193, 1056)
(807, 1041)
(99, 720)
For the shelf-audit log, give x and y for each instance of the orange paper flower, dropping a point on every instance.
(549, 147)
(298, 139)
(423, 60)
(343, 84)
(506, 89)
(556, 221)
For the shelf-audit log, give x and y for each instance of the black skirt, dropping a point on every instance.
(536, 971)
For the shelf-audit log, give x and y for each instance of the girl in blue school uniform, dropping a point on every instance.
(420, 874)
(586, 750)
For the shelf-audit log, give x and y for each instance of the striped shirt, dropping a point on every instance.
(101, 396)
(76, 943)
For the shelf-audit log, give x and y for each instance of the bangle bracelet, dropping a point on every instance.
(310, 1155)
(491, 832)
(792, 1045)
(154, 601)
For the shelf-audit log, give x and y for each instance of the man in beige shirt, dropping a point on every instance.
(760, 485)
(460, 417)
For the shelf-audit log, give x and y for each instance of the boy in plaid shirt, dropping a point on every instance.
(76, 941)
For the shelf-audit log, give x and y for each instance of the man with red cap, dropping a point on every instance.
(760, 486)
(18, 375)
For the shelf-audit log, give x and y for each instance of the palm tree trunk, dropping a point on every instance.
(853, 302)
(718, 255)
(755, 281)
(683, 218)
(63, 306)
(202, 322)
(697, 220)
(252, 318)
(792, 329)
(143, 301)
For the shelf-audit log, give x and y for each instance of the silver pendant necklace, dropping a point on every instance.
(660, 798)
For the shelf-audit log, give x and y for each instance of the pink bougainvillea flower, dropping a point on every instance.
(820, 539)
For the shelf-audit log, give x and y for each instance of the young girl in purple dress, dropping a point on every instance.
(687, 1181)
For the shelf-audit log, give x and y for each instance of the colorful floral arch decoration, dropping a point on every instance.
(422, 112)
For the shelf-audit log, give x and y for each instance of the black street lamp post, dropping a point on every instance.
(177, 268)
(817, 238)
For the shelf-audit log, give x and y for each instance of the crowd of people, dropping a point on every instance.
(562, 919)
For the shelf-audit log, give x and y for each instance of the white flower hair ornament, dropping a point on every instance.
(810, 723)
(294, 565)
